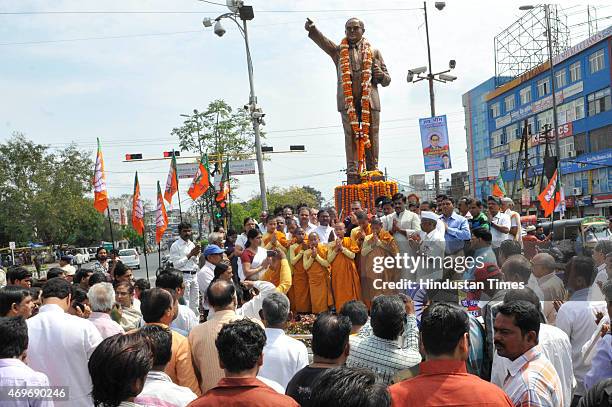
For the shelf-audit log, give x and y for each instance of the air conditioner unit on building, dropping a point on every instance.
(570, 154)
(576, 191)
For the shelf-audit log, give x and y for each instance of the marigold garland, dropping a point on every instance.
(366, 192)
(361, 130)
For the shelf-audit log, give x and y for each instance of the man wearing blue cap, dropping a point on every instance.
(184, 256)
(213, 255)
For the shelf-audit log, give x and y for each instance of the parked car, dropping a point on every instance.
(130, 258)
(92, 252)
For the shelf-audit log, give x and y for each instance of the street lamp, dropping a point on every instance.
(245, 13)
(431, 77)
(552, 87)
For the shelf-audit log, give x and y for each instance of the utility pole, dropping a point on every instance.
(432, 103)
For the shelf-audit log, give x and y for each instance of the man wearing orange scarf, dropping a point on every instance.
(358, 49)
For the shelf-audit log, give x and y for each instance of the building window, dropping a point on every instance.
(504, 139)
(543, 87)
(566, 147)
(530, 126)
(509, 102)
(570, 111)
(560, 78)
(512, 132)
(575, 72)
(525, 95)
(495, 110)
(544, 118)
(596, 61)
(496, 138)
(599, 102)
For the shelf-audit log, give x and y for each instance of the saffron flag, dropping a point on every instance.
(137, 208)
(224, 185)
(99, 183)
(550, 197)
(172, 181)
(201, 181)
(161, 219)
(499, 190)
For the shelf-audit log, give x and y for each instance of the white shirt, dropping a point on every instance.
(159, 390)
(576, 318)
(60, 346)
(557, 347)
(204, 277)
(432, 247)
(277, 387)
(602, 274)
(14, 374)
(241, 241)
(262, 227)
(408, 221)
(283, 357)
(323, 233)
(500, 219)
(250, 309)
(185, 320)
(178, 255)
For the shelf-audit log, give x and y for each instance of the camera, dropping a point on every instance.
(219, 30)
(440, 5)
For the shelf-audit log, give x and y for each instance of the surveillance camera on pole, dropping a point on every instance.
(452, 64)
(419, 70)
(219, 30)
(439, 5)
(207, 22)
(410, 77)
(447, 78)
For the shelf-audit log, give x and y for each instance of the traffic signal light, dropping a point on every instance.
(168, 154)
(129, 157)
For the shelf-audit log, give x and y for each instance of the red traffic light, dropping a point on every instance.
(129, 157)
(222, 204)
(168, 154)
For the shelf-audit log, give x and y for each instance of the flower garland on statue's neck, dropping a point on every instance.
(361, 130)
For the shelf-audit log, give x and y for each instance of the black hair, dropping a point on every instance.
(525, 314)
(349, 387)
(482, 233)
(56, 288)
(99, 249)
(17, 273)
(584, 267)
(399, 196)
(184, 225)
(330, 334)
(231, 232)
(79, 275)
(78, 294)
(517, 265)
(321, 212)
(467, 200)
(144, 284)
(35, 292)
(55, 272)
(13, 337)
(509, 248)
(116, 365)
(240, 345)
(170, 279)
(387, 316)
(251, 234)
(361, 215)
(288, 206)
(448, 198)
(604, 246)
(121, 269)
(114, 251)
(246, 220)
(154, 303)
(129, 286)
(217, 228)
(160, 339)
(477, 202)
(220, 293)
(97, 277)
(220, 269)
(441, 197)
(442, 327)
(528, 295)
(356, 311)
(11, 294)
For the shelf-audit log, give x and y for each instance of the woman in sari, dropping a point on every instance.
(375, 249)
(254, 257)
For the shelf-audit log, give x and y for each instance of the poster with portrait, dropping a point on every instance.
(434, 139)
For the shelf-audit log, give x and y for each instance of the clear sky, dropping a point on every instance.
(63, 80)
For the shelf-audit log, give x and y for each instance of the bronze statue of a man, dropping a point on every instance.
(358, 51)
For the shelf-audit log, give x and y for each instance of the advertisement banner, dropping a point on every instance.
(434, 139)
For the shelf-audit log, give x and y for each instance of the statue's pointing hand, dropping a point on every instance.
(309, 25)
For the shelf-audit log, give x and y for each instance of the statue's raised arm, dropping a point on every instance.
(360, 69)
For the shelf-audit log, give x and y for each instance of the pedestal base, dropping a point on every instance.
(366, 193)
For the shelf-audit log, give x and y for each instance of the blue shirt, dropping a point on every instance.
(601, 365)
(457, 233)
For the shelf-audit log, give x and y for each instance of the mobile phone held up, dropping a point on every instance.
(271, 253)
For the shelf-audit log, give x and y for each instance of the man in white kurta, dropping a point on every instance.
(184, 256)
(429, 244)
(402, 224)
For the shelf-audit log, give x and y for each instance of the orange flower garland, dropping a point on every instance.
(361, 130)
(366, 193)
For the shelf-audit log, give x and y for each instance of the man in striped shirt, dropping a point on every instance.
(531, 380)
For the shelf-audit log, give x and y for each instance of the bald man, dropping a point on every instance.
(552, 286)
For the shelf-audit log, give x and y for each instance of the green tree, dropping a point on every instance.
(43, 194)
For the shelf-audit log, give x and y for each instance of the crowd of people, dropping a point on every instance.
(510, 321)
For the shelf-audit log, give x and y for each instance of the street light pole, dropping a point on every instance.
(255, 120)
(430, 79)
(554, 96)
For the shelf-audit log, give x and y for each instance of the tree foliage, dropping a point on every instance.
(43, 194)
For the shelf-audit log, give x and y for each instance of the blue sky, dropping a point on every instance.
(129, 92)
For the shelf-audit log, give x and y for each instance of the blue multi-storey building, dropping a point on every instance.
(496, 118)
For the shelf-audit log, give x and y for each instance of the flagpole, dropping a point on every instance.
(110, 223)
(178, 190)
(144, 240)
(159, 254)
